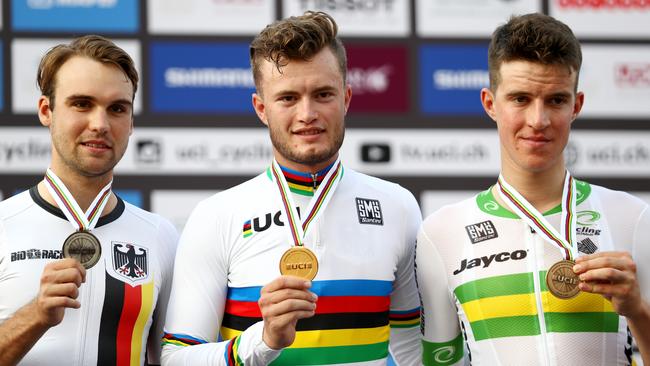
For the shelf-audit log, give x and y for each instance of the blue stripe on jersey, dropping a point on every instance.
(323, 288)
(401, 312)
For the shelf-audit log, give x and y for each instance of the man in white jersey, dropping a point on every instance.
(84, 276)
(496, 272)
(305, 216)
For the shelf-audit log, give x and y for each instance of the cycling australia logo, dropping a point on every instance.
(588, 223)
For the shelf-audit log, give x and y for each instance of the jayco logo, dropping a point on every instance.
(485, 261)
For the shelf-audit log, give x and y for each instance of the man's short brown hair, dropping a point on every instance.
(94, 47)
(536, 38)
(296, 38)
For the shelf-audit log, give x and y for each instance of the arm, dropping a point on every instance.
(404, 304)
(617, 277)
(198, 298)
(442, 341)
(59, 289)
(167, 240)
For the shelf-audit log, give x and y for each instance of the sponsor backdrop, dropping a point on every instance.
(416, 68)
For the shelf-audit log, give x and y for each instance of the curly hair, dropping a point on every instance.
(536, 38)
(94, 47)
(296, 38)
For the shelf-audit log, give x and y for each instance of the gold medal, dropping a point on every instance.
(561, 281)
(84, 247)
(300, 262)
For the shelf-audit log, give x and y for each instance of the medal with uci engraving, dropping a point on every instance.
(84, 247)
(299, 261)
(81, 245)
(561, 281)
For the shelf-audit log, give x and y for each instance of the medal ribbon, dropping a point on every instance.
(517, 203)
(78, 219)
(317, 204)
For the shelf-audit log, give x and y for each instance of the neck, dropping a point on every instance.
(84, 190)
(305, 168)
(543, 190)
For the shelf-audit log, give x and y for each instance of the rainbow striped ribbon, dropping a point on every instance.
(78, 219)
(566, 239)
(298, 230)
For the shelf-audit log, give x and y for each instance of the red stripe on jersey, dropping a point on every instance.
(130, 311)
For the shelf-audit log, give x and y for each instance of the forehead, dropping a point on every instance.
(527, 75)
(323, 68)
(84, 76)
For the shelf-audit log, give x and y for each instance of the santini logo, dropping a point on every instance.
(369, 212)
(482, 231)
(486, 261)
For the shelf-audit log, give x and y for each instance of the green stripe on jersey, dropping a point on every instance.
(516, 284)
(581, 322)
(332, 355)
(513, 326)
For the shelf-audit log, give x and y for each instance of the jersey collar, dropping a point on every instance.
(486, 202)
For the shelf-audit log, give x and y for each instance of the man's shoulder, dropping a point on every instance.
(452, 211)
(371, 183)
(15, 204)
(615, 198)
(239, 195)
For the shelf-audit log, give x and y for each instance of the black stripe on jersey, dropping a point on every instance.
(111, 313)
(318, 321)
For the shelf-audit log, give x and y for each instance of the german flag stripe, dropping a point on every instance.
(328, 338)
(111, 312)
(322, 321)
(323, 288)
(146, 308)
(324, 305)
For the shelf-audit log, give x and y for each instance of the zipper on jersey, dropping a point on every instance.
(314, 180)
(85, 317)
(530, 242)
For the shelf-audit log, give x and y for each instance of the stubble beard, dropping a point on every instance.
(307, 158)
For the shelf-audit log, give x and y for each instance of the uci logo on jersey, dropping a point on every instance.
(263, 222)
(482, 231)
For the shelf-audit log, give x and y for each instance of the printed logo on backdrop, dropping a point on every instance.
(378, 78)
(604, 4)
(375, 153)
(76, 15)
(200, 78)
(130, 262)
(632, 74)
(215, 17)
(451, 78)
(370, 18)
(481, 231)
(369, 211)
(149, 151)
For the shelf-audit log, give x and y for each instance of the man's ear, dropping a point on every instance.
(487, 100)
(44, 111)
(260, 107)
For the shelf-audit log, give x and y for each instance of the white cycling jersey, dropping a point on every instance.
(232, 244)
(481, 275)
(125, 294)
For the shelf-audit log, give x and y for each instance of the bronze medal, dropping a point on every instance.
(561, 281)
(84, 247)
(300, 262)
